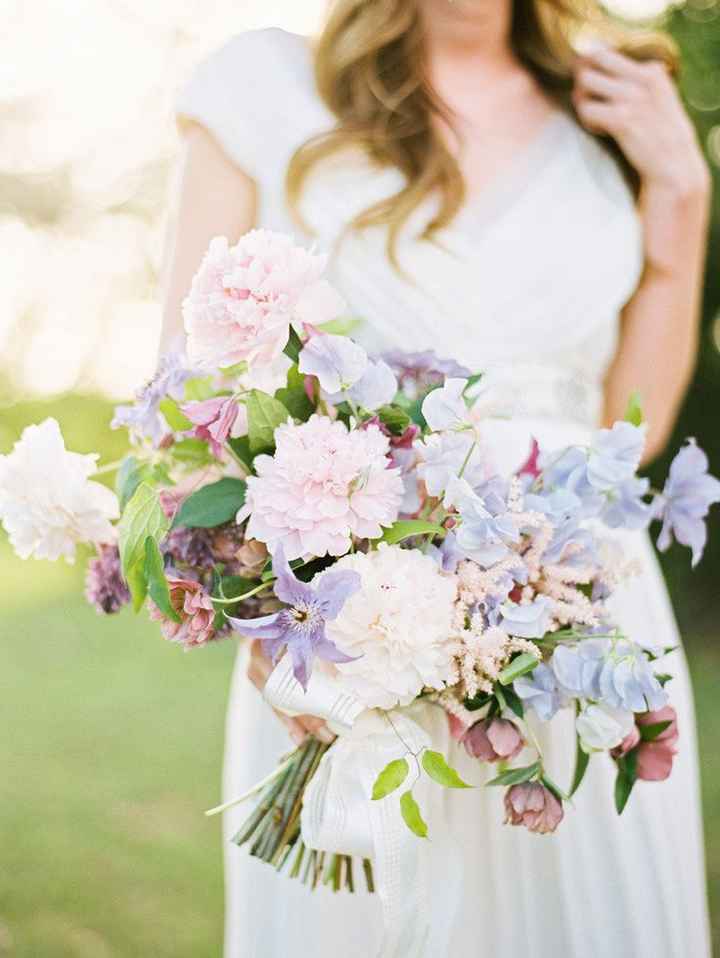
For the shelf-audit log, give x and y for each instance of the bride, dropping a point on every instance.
(490, 195)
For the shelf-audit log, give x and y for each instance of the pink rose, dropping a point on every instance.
(493, 740)
(534, 806)
(192, 603)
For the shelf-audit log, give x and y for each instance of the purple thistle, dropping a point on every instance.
(300, 627)
(685, 501)
(105, 587)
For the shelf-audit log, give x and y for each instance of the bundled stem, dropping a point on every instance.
(272, 829)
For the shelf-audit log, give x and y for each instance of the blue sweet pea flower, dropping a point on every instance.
(625, 507)
(540, 692)
(615, 455)
(685, 501)
(482, 535)
(300, 628)
(528, 621)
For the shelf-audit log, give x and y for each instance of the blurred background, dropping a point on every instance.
(112, 741)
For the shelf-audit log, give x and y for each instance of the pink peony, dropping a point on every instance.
(323, 485)
(654, 758)
(192, 603)
(534, 806)
(493, 740)
(243, 299)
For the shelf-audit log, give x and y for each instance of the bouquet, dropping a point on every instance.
(283, 486)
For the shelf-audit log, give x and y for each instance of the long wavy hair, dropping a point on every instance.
(370, 69)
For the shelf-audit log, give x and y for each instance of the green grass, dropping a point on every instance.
(110, 750)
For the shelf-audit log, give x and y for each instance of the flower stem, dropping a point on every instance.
(245, 595)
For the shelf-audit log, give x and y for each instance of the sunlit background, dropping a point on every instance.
(113, 741)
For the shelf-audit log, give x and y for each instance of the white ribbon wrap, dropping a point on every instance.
(338, 815)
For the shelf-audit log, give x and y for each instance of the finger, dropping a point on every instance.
(591, 82)
(317, 727)
(605, 58)
(600, 116)
(295, 729)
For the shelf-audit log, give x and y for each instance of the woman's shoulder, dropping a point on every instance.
(256, 95)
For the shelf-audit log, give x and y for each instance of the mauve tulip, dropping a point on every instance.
(493, 740)
(534, 806)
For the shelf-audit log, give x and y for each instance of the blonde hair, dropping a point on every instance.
(370, 70)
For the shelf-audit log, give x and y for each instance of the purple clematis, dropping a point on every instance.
(300, 628)
(685, 501)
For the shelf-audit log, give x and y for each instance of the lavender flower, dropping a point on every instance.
(143, 418)
(615, 455)
(375, 388)
(528, 621)
(442, 456)
(337, 361)
(540, 692)
(625, 508)
(685, 501)
(105, 587)
(417, 372)
(300, 628)
(486, 526)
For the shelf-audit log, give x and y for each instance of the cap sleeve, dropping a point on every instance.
(237, 95)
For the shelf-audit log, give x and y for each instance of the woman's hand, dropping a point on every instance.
(299, 727)
(638, 105)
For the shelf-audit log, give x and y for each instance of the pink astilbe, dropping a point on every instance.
(243, 299)
(194, 607)
(324, 485)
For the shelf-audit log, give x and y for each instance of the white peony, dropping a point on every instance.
(398, 624)
(47, 504)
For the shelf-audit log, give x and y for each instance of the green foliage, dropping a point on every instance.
(212, 505)
(515, 776)
(522, 664)
(293, 345)
(513, 701)
(391, 777)
(341, 327)
(157, 584)
(142, 517)
(582, 760)
(394, 418)
(196, 390)
(192, 452)
(438, 769)
(411, 815)
(634, 413)
(175, 417)
(625, 781)
(293, 396)
(265, 414)
(407, 528)
(648, 733)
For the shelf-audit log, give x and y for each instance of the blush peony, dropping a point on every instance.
(47, 503)
(323, 485)
(243, 299)
(398, 625)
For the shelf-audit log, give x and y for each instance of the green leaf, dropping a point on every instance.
(472, 381)
(555, 789)
(193, 451)
(293, 345)
(625, 781)
(406, 528)
(212, 505)
(514, 702)
(411, 815)
(515, 776)
(582, 760)
(129, 476)
(633, 412)
(648, 733)
(241, 448)
(477, 701)
(176, 418)
(265, 414)
(157, 584)
(391, 777)
(394, 418)
(200, 388)
(520, 665)
(142, 517)
(137, 584)
(340, 327)
(293, 396)
(438, 769)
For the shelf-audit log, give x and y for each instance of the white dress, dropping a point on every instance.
(528, 283)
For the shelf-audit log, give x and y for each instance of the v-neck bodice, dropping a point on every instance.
(528, 281)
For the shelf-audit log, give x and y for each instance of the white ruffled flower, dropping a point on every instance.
(398, 624)
(601, 727)
(47, 504)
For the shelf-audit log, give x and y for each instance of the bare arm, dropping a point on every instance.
(215, 199)
(638, 105)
